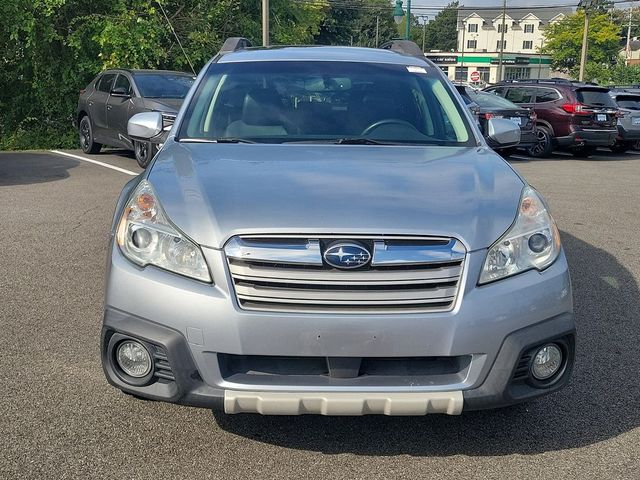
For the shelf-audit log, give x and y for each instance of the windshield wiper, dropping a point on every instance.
(215, 140)
(358, 141)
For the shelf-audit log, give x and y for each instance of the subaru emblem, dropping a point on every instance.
(347, 255)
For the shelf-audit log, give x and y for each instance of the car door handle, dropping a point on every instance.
(90, 103)
(108, 107)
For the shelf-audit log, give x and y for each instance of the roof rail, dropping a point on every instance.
(406, 47)
(233, 44)
(561, 81)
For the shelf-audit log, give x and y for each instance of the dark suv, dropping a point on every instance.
(571, 116)
(113, 97)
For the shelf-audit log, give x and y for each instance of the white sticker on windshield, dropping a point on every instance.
(414, 69)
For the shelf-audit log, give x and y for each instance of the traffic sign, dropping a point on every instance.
(475, 76)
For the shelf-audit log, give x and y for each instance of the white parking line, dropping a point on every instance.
(102, 164)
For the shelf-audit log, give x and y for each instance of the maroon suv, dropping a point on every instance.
(572, 116)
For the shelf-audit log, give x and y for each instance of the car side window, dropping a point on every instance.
(520, 95)
(122, 82)
(546, 95)
(105, 82)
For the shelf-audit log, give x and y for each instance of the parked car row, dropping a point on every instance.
(552, 113)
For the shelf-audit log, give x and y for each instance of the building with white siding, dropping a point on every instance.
(479, 36)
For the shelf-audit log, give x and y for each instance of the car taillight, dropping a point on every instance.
(575, 108)
(488, 116)
(619, 114)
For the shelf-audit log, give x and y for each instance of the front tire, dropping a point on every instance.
(543, 145)
(619, 147)
(87, 142)
(144, 151)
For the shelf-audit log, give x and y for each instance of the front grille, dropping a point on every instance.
(406, 274)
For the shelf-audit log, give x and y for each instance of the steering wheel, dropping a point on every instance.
(386, 121)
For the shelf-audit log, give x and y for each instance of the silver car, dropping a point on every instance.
(326, 231)
(628, 120)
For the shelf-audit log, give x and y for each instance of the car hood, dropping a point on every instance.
(214, 191)
(171, 105)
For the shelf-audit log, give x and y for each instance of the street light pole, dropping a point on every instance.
(583, 58)
(424, 30)
(504, 14)
(265, 23)
(408, 30)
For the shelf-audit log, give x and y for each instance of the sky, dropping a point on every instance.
(432, 7)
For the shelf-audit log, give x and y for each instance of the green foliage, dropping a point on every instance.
(442, 31)
(50, 49)
(563, 41)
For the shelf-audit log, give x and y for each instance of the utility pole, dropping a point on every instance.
(540, 58)
(377, 29)
(504, 23)
(265, 23)
(464, 31)
(583, 58)
(628, 55)
(424, 31)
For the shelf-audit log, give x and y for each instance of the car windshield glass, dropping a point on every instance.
(629, 102)
(163, 85)
(595, 98)
(492, 101)
(332, 102)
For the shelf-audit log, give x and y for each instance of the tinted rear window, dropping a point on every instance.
(595, 97)
(163, 85)
(630, 102)
(491, 100)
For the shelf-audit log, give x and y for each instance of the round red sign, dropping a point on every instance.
(475, 76)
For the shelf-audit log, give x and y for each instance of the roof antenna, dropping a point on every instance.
(176, 35)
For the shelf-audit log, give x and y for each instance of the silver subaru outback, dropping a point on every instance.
(325, 231)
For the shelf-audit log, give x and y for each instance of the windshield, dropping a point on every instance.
(595, 98)
(492, 101)
(339, 102)
(163, 85)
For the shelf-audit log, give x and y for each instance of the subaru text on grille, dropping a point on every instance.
(326, 231)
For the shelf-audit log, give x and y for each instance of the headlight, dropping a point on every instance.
(533, 241)
(147, 237)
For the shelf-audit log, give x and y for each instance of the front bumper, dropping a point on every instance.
(194, 324)
(590, 138)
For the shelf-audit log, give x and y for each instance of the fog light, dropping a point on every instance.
(133, 359)
(546, 362)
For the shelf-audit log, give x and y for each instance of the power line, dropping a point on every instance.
(177, 38)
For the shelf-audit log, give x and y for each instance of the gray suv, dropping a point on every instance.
(326, 231)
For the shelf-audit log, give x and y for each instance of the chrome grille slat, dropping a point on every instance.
(281, 274)
(312, 295)
(348, 276)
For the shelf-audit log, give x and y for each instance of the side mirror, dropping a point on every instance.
(502, 133)
(120, 92)
(145, 125)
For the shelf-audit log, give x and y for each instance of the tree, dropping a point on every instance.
(442, 31)
(356, 22)
(563, 41)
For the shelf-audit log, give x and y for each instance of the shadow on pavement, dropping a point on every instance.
(602, 400)
(25, 168)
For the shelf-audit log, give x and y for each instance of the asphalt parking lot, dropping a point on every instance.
(60, 419)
